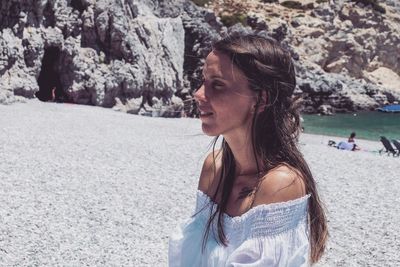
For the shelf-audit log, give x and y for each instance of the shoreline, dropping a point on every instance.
(368, 125)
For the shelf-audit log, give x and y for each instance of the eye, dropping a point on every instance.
(217, 85)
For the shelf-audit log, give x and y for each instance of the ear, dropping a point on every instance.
(261, 101)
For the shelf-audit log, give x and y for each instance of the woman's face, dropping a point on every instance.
(224, 99)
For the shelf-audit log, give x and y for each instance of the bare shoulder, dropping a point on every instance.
(210, 167)
(281, 184)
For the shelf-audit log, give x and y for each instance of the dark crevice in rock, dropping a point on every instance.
(49, 19)
(191, 63)
(3, 70)
(78, 5)
(29, 53)
(88, 40)
(10, 62)
(50, 87)
(87, 97)
(132, 9)
(70, 32)
(105, 45)
(66, 68)
(65, 32)
(141, 35)
(9, 14)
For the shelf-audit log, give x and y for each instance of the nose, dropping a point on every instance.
(200, 95)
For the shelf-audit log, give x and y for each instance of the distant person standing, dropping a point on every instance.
(53, 94)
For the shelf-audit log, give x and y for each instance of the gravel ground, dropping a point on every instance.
(88, 186)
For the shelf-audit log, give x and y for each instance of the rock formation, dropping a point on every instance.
(93, 52)
(347, 54)
(145, 56)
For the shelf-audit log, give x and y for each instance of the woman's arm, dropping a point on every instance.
(207, 183)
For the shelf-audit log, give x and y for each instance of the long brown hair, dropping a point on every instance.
(269, 68)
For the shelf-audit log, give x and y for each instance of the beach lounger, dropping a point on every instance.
(397, 145)
(387, 147)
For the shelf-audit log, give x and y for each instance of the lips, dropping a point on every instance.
(205, 113)
(202, 113)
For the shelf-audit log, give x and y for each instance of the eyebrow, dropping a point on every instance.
(214, 76)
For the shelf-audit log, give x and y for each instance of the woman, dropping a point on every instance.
(352, 138)
(257, 203)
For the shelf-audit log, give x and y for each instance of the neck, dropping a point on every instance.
(242, 150)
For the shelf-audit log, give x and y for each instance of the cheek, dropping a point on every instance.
(237, 111)
(231, 106)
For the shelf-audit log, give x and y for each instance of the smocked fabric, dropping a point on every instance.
(267, 235)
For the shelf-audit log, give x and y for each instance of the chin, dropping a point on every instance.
(210, 131)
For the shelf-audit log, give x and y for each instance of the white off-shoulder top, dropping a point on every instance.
(267, 235)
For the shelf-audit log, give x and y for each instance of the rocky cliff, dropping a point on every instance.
(123, 54)
(138, 56)
(347, 53)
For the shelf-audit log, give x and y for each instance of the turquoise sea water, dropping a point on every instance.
(367, 125)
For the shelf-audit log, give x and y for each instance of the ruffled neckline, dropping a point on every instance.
(272, 207)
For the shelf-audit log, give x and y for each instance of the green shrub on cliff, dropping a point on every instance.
(201, 3)
(296, 5)
(374, 3)
(232, 19)
(292, 4)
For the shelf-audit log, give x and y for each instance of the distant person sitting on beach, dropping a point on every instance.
(351, 138)
(257, 202)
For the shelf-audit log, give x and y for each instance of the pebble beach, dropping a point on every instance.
(89, 186)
